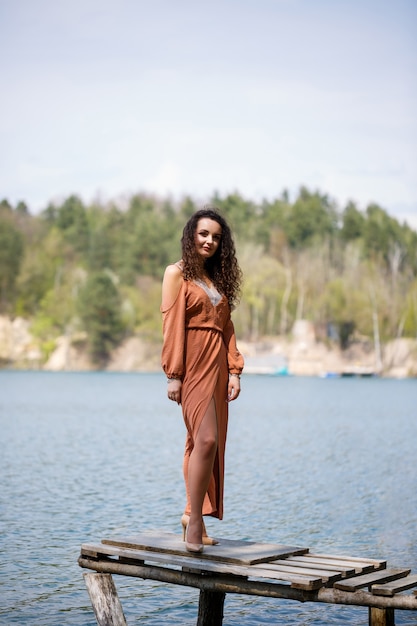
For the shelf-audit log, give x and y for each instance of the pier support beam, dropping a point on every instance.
(381, 617)
(104, 599)
(210, 608)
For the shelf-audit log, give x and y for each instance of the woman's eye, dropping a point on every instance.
(205, 233)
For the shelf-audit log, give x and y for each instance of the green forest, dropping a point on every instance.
(93, 271)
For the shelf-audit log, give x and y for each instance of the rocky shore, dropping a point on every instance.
(299, 355)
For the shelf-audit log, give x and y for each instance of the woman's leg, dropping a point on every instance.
(200, 468)
(187, 453)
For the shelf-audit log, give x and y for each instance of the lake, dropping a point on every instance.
(329, 464)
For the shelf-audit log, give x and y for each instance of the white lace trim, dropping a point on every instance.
(212, 292)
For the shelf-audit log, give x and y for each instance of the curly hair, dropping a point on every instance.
(222, 268)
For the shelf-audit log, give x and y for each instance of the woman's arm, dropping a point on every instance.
(235, 361)
(173, 311)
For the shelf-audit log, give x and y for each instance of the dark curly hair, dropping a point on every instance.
(222, 267)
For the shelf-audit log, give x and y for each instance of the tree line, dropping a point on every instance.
(93, 271)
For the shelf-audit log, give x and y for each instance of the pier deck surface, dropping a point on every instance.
(244, 567)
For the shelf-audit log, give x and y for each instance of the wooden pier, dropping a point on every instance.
(242, 567)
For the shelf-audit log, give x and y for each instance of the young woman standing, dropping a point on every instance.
(201, 360)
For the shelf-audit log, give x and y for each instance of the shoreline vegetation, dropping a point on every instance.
(300, 354)
(327, 289)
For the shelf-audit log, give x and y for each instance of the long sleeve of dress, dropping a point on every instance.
(173, 327)
(235, 360)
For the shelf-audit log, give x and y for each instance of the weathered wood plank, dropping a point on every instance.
(298, 580)
(326, 576)
(322, 564)
(227, 551)
(391, 588)
(359, 582)
(98, 551)
(378, 563)
(104, 600)
(342, 565)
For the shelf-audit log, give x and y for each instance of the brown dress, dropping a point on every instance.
(200, 349)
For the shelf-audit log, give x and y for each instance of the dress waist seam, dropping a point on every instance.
(209, 328)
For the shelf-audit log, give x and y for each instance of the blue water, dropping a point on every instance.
(329, 464)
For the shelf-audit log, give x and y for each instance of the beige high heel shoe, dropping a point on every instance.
(207, 541)
(192, 547)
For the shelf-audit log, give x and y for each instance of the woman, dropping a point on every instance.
(201, 360)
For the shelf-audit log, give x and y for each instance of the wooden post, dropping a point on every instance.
(381, 617)
(104, 599)
(210, 608)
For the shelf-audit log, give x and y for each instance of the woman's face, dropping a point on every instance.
(207, 237)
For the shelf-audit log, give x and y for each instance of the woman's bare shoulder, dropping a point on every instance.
(171, 284)
(174, 271)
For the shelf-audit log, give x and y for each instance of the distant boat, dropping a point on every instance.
(359, 371)
(267, 365)
(266, 370)
(362, 372)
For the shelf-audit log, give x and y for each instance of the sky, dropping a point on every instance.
(173, 97)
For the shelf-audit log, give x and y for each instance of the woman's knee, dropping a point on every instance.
(207, 443)
(207, 433)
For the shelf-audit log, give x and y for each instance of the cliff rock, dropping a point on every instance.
(17, 346)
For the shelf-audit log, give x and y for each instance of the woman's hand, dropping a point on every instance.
(174, 390)
(233, 389)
